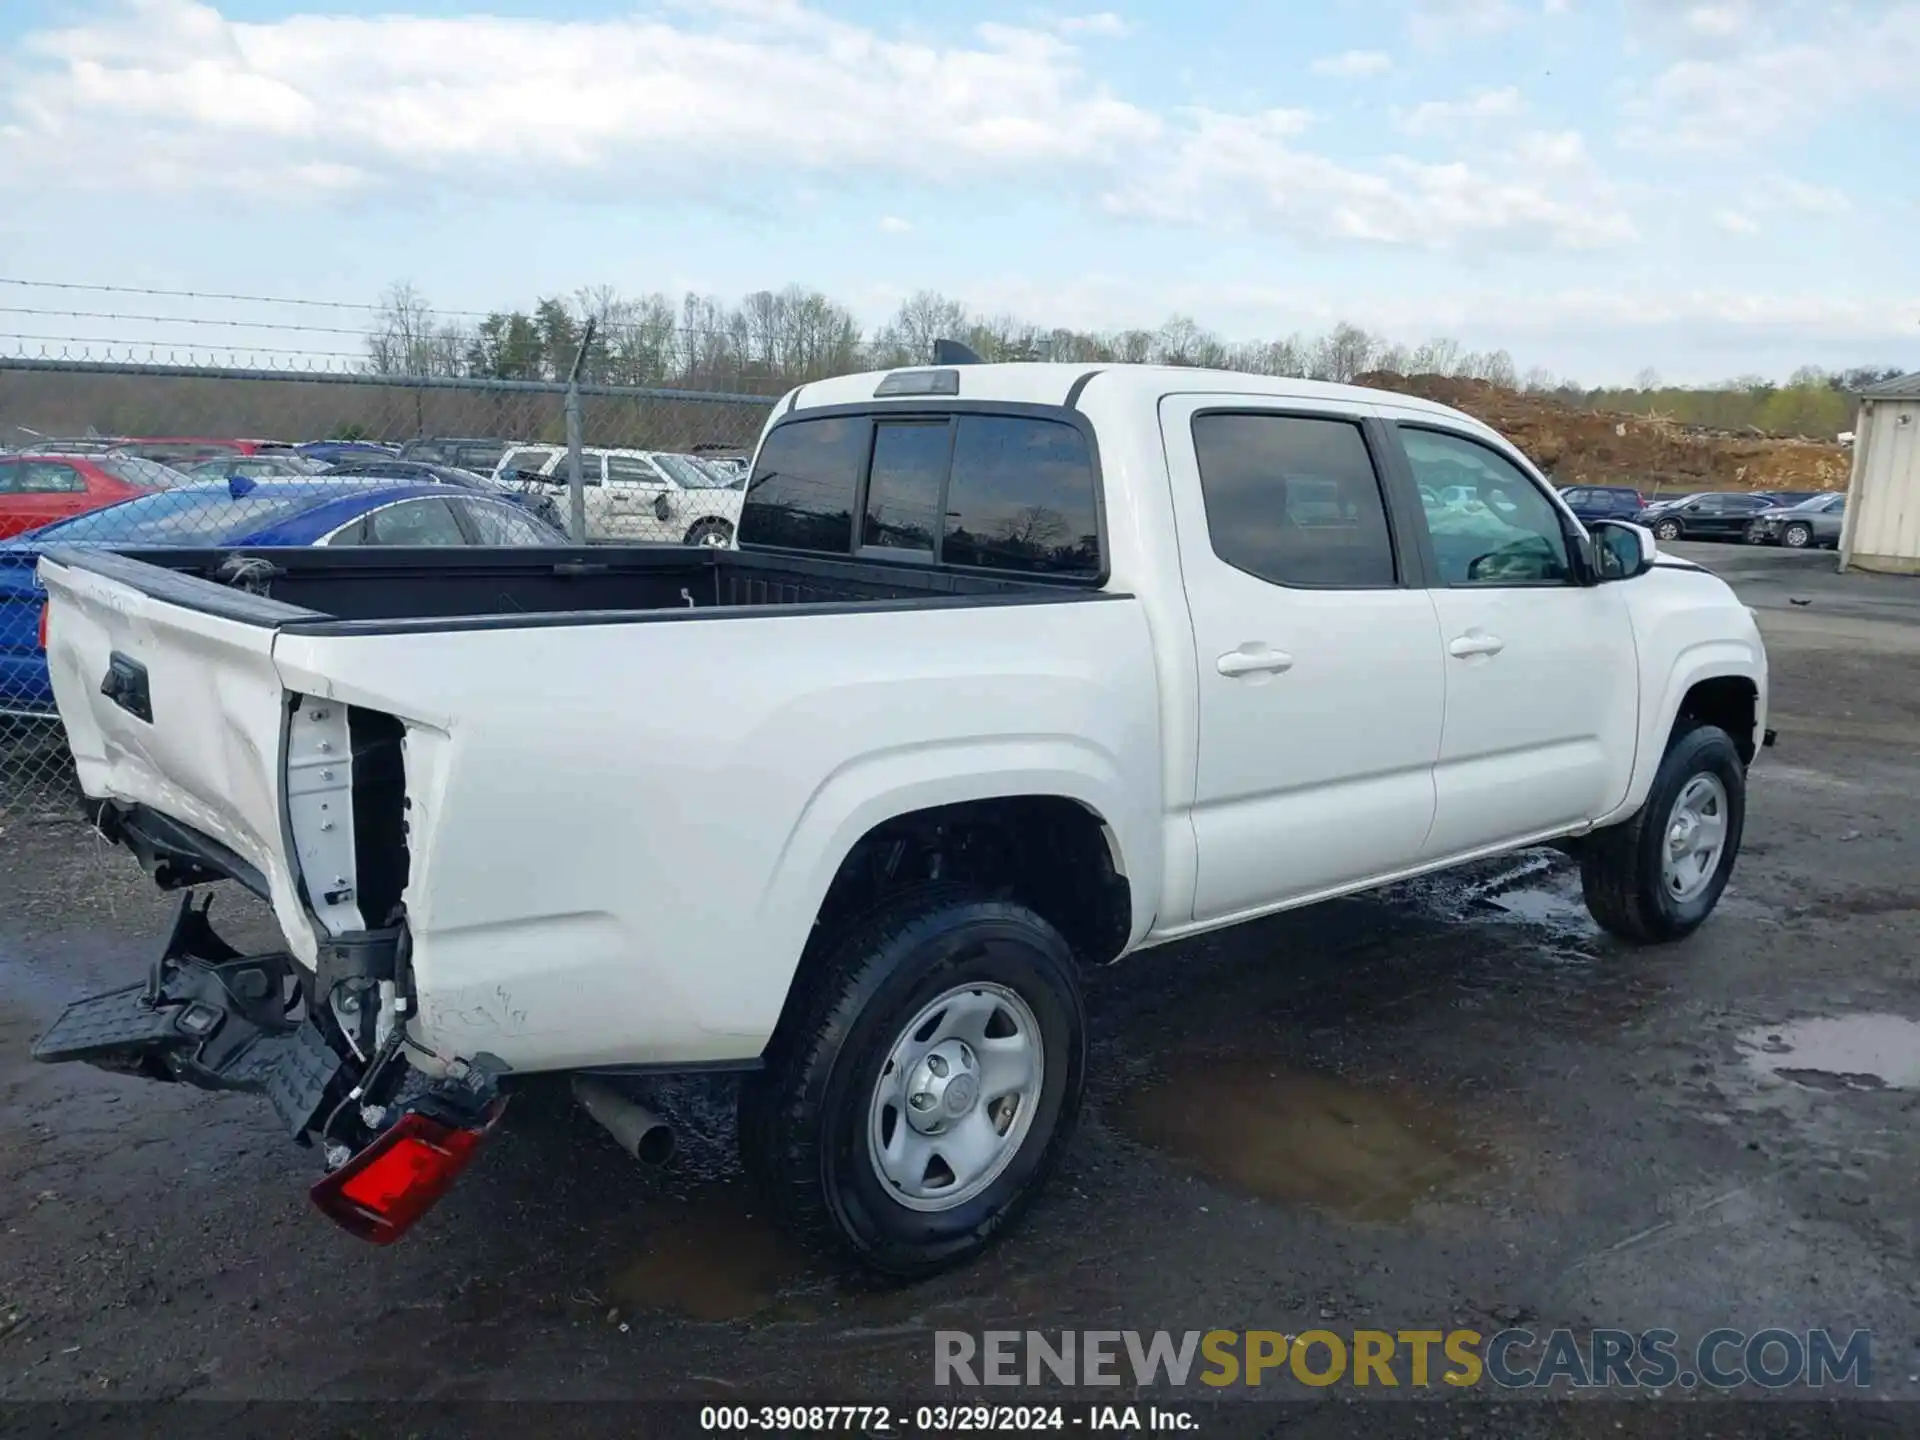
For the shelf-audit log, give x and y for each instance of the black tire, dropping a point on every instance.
(804, 1117)
(1621, 871)
(720, 528)
(1667, 530)
(1797, 536)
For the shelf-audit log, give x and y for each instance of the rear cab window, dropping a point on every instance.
(999, 489)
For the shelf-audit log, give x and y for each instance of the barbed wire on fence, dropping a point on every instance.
(128, 456)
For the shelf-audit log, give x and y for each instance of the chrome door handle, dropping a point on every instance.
(1467, 645)
(1254, 662)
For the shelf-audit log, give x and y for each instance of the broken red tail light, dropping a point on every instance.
(382, 1191)
(43, 625)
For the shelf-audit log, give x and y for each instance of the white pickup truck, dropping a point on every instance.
(1017, 669)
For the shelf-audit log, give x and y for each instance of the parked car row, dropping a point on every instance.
(330, 509)
(635, 495)
(1797, 519)
(630, 494)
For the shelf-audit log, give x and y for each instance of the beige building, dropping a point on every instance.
(1882, 528)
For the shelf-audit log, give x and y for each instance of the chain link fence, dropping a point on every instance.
(120, 455)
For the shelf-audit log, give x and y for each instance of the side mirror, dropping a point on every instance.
(1621, 550)
(662, 508)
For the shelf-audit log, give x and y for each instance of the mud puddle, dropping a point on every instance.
(709, 1257)
(1252, 1126)
(1839, 1052)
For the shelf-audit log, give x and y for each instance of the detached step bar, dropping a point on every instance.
(211, 1017)
(206, 1016)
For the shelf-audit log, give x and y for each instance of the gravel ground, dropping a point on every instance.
(1449, 1104)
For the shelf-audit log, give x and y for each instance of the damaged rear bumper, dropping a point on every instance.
(314, 1045)
(206, 1015)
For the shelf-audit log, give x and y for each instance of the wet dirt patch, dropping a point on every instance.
(709, 1257)
(1867, 901)
(1839, 1052)
(1558, 908)
(1362, 1153)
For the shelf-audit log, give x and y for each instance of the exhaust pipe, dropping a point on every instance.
(640, 1132)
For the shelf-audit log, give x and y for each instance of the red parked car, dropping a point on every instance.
(178, 449)
(36, 489)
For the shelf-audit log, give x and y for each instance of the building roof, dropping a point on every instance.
(1904, 387)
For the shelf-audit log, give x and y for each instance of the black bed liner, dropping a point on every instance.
(358, 591)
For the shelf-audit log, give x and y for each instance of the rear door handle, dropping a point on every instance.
(1466, 645)
(1254, 662)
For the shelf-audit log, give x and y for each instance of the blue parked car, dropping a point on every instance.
(242, 512)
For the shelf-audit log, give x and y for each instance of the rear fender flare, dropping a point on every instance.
(883, 786)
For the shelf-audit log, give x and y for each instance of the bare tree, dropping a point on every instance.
(1343, 353)
(405, 340)
(924, 317)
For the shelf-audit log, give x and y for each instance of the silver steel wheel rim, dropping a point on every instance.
(1666, 530)
(713, 536)
(1696, 837)
(1797, 536)
(956, 1097)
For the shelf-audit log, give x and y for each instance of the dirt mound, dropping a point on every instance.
(1658, 456)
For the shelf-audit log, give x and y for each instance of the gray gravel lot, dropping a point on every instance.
(1450, 1104)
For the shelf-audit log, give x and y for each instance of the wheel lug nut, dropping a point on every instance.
(921, 1100)
(937, 1064)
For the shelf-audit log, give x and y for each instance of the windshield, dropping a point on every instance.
(194, 517)
(136, 471)
(689, 473)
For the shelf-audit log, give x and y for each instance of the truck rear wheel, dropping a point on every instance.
(916, 1100)
(1657, 876)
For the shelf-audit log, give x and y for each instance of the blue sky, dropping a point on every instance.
(1597, 186)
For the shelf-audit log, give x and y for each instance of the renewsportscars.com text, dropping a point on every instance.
(1513, 1359)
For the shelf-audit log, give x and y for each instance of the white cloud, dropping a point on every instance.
(1103, 25)
(1353, 64)
(1539, 151)
(1439, 117)
(1764, 83)
(591, 109)
(485, 99)
(1785, 192)
(1243, 170)
(1735, 223)
(1436, 23)
(894, 225)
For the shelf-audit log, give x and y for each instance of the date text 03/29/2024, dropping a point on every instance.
(944, 1419)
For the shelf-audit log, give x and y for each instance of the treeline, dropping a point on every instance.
(1815, 403)
(774, 339)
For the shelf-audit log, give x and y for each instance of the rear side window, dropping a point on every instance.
(801, 496)
(903, 487)
(971, 491)
(414, 522)
(1021, 496)
(528, 463)
(1294, 500)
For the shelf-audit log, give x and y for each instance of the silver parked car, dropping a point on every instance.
(1814, 522)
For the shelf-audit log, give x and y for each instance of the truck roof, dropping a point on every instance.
(1050, 384)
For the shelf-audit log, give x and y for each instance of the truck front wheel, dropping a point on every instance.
(925, 1085)
(1657, 876)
